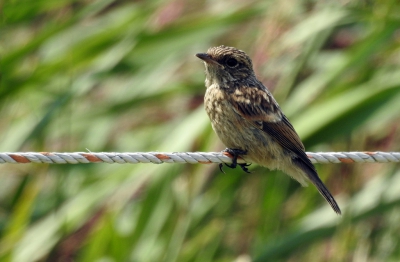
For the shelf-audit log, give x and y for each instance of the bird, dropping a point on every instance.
(249, 122)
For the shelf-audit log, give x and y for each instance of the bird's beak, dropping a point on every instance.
(208, 59)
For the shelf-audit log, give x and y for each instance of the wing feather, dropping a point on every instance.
(260, 108)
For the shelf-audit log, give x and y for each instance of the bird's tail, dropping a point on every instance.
(312, 175)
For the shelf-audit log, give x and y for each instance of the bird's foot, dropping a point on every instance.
(244, 167)
(220, 168)
(235, 153)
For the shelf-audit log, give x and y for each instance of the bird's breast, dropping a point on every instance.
(230, 127)
(238, 133)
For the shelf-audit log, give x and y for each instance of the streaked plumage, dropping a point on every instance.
(245, 116)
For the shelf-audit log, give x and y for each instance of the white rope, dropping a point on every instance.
(186, 157)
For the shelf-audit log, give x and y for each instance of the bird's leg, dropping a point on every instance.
(235, 153)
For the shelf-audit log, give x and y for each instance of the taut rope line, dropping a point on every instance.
(177, 157)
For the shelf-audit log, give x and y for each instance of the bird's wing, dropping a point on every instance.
(260, 108)
(257, 106)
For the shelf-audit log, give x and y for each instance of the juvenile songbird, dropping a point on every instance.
(249, 121)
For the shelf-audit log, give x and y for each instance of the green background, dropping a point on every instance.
(121, 76)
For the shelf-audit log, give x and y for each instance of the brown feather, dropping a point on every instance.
(265, 115)
(245, 116)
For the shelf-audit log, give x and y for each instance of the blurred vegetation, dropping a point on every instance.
(110, 75)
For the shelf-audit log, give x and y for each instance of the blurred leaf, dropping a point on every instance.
(115, 76)
(342, 113)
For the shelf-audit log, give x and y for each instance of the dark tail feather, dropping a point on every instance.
(314, 178)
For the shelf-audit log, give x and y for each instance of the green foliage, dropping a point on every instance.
(121, 76)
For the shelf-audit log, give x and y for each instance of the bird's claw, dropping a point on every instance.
(244, 168)
(235, 153)
(220, 168)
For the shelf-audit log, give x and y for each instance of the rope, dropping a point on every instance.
(187, 157)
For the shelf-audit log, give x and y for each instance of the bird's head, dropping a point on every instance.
(226, 64)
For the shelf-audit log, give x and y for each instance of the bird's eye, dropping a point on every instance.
(232, 62)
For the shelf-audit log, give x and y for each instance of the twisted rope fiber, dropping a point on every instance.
(185, 157)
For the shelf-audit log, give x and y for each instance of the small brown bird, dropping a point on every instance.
(249, 121)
